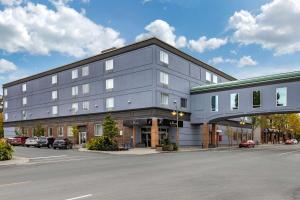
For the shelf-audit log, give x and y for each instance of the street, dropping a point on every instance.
(270, 173)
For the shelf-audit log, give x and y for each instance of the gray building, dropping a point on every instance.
(139, 85)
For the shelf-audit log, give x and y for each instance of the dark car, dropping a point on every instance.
(45, 142)
(247, 144)
(17, 140)
(62, 143)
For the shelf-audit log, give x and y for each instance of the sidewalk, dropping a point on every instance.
(15, 161)
(135, 151)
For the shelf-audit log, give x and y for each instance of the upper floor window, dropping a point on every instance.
(74, 73)
(24, 114)
(164, 78)
(234, 101)
(74, 90)
(86, 105)
(110, 103)
(85, 70)
(208, 76)
(5, 104)
(164, 57)
(281, 96)
(215, 79)
(109, 84)
(54, 110)
(54, 95)
(183, 102)
(98, 130)
(75, 107)
(164, 99)
(215, 103)
(24, 88)
(109, 65)
(85, 88)
(6, 116)
(24, 101)
(256, 99)
(54, 79)
(5, 92)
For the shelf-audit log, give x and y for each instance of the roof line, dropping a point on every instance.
(118, 51)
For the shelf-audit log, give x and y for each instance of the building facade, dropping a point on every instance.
(139, 85)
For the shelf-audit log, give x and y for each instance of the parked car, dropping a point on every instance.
(247, 144)
(17, 140)
(62, 143)
(289, 141)
(294, 141)
(32, 141)
(45, 142)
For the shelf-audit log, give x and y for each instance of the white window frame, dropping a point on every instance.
(215, 78)
(75, 107)
(110, 103)
(5, 92)
(85, 70)
(86, 88)
(5, 116)
(109, 84)
(74, 73)
(74, 91)
(285, 100)
(162, 100)
(69, 131)
(216, 103)
(48, 132)
(24, 87)
(95, 130)
(54, 110)
(54, 79)
(54, 95)
(109, 65)
(5, 104)
(86, 105)
(60, 131)
(232, 95)
(24, 114)
(164, 57)
(24, 101)
(164, 78)
(208, 76)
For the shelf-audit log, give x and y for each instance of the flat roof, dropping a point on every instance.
(256, 81)
(121, 50)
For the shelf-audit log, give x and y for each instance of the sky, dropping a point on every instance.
(240, 37)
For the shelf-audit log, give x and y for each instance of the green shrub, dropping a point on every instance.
(6, 150)
(102, 143)
(168, 146)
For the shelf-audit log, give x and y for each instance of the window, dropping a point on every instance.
(110, 103)
(256, 99)
(215, 103)
(24, 88)
(215, 79)
(74, 73)
(75, 107)
(5, 116)
(109, 84)
(183, 103)
(54, 95)
(69, 131)
(85, 105)
(5, 92)
(24, 101)
(5, 104)
(164, 78)
(50, 132)
(54, 110)
(98, 130)
(281, 96)
(85, 88)
(208, 76)
(60, 131)
(109, 65)
(24, 114)
(54, 79)
(234, 101)
(164, 99)
(74, 90)
(164, 57)
(85, 71)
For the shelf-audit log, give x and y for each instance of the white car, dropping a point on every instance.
(294, 141)
(32, 141)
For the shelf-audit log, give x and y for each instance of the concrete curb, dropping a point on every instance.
(135, 151)
(15, 161)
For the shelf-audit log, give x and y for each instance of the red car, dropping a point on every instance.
(289, 142)
(247, 144)
(17, 140)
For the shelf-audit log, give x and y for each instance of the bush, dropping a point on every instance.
(102, 143)
(167, 146)
(6, 150)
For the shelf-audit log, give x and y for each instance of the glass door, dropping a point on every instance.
(146, 136)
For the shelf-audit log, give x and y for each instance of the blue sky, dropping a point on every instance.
(241, 37)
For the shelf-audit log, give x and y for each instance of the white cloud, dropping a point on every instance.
(246, 61)
(163, 31)
(276, 27)
(146, 1)
(7, 66)
(242, 62)
(11, 2)
(203, 44)
(36, 29)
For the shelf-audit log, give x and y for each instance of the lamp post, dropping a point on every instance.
(177, 114)
(242, 123)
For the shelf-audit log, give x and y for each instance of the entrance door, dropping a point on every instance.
(146, 136)
(82, 137)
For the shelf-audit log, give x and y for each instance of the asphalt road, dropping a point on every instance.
(271, 173)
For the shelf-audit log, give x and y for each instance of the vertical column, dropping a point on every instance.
(65, 133)
(205, 135)
(133, 136)
(214, 134)
(154, 133)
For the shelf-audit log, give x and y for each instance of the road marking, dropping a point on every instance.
(35, 158)
(80, 197)
(289, 152)
(13, 184)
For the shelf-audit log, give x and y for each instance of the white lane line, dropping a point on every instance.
(35, 158)
(54, 161)
(289, 152)
(80, 197)
(13, 184)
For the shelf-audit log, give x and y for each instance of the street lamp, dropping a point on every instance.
(177, 114)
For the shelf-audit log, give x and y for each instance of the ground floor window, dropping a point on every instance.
(50, 132)
(60, 131)
(98, 130)
(70, 132)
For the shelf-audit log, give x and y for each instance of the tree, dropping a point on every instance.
(75, 132)
(39, 131)
(255, 123)
(110, 128)
(1, 126)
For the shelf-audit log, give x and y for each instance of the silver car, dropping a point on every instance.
(32, 141)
